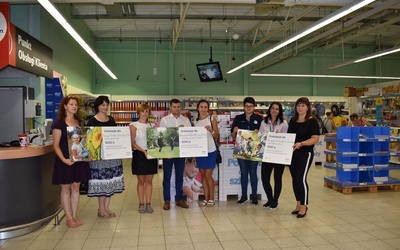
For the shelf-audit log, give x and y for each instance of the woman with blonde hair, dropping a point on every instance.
(142, 167)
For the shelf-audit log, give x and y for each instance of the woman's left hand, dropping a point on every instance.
(297, 145)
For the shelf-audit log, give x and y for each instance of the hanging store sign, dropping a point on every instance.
(21, 50)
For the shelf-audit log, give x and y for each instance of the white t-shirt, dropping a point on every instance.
(210, 139)
(79, 149)
(141, 136)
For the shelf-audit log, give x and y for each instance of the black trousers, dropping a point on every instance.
(301, 162)
(266, 171)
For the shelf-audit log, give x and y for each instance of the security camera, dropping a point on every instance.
(183, 76)
(138, 77)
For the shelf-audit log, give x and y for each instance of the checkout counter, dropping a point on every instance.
(28, 200)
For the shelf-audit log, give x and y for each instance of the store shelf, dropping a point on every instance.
(362, 157)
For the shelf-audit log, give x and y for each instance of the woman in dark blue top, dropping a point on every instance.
(306, 128)
(249, 121)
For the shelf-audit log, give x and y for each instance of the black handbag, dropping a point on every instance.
(219, 157)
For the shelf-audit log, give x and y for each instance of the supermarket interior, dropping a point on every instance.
(339, 55)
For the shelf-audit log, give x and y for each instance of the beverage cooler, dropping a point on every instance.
(17, 105)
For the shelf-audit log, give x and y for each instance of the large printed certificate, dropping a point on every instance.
(176, 142)
(99, 143)
(116, 143)
(279, 148)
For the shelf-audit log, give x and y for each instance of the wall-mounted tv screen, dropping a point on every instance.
(209, 72)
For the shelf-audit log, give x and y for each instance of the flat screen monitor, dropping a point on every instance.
(209, 72)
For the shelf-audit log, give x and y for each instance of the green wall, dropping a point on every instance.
(128, 59)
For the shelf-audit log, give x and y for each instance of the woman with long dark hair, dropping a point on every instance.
(306, 128)
(274, 122)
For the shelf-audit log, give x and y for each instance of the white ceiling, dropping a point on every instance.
(270, 21)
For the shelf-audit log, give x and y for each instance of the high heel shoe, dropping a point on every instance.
(110, 213)
(295, 212)
(302, 215)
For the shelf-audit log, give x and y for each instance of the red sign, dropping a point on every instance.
(4, 33)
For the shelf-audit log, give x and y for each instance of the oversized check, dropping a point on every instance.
(116, 143)
(279, 148)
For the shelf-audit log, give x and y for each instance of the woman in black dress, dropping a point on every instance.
(106, 175)
(67, 173)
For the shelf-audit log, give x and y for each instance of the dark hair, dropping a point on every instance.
(328, 113)
(174, 101)
(198, 104)
(99, 100)
(61, 110)
(249, 99)
(280, 114)
(302, 100)
(354, 115)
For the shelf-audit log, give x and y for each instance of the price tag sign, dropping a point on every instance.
(378, 101)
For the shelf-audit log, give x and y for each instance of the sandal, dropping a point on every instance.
(203, 203)
(102, 214)
(149, 209)
(110, 213)
(71, 223)
(78, 222)
(210, 203)
(142, 209)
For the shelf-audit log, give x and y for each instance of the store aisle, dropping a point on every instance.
(334, 221)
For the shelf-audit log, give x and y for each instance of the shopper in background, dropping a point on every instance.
(207, 164)
(249, 121)
(356, 121)
(328, 123)
(274, 122)
(67, 173)
(306, 128)
(142, 167)
(106, 175)
(174, 119)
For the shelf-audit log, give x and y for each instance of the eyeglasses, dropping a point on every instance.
(249, 106)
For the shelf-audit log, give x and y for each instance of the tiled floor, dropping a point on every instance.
(334, 221)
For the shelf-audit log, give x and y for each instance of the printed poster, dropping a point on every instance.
(176, 142)
(99, 143)
(248, 145)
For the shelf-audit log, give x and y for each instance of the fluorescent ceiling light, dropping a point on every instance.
(355, 5)
(368, 57)
(59, 18)
(329, 76)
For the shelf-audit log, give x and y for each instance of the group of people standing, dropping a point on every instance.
(306, 128)
(105, 177)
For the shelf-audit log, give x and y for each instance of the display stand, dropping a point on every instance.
(362, 160)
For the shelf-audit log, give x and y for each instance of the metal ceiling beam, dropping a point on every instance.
(363, 32)
(178, 23)
(285, 25)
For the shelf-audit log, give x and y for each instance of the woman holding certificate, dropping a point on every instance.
(306, 128)
(67, 172)
(142, 167)
(274, 122)
(106, 175)
(207, 164)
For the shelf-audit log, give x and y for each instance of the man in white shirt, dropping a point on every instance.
(174, 119)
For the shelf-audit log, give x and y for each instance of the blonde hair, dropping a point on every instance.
(142, 107)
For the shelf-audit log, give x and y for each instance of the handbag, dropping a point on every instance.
(219, 157)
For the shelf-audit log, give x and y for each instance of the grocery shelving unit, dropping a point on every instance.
(362, 159)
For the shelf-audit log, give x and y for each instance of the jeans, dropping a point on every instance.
(168, 164)
(248, 168)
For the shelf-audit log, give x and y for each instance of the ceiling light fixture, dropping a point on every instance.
(327, 76)
(368, 57)
(61, 20)
(353, 6)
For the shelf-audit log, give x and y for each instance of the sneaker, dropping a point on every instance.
(267, 204)
(242, 200)
(273, 205)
